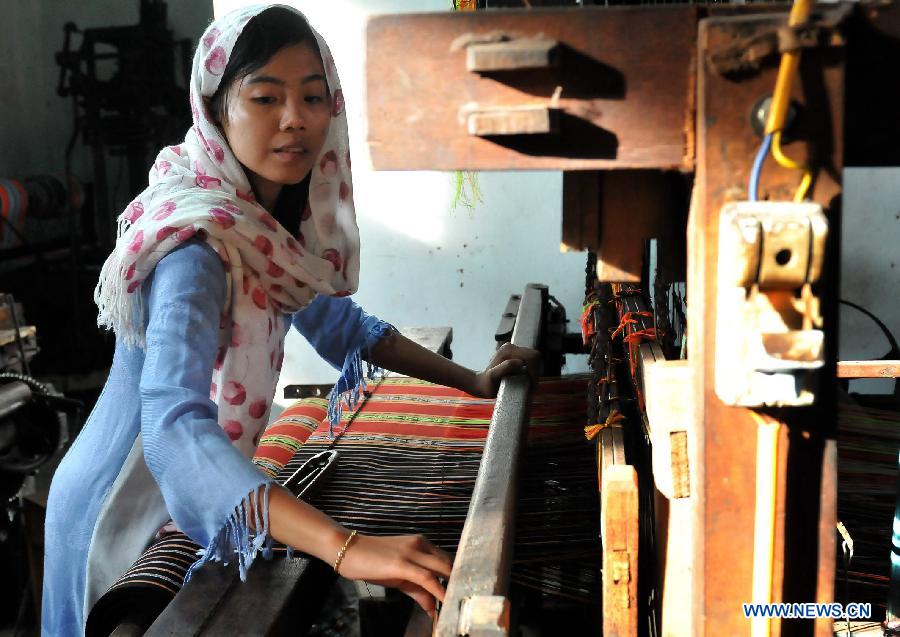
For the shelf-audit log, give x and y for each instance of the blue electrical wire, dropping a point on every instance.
(757, 167)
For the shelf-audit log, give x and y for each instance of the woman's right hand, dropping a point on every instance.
(409, 563)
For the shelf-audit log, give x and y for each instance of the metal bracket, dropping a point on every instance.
(747, 53)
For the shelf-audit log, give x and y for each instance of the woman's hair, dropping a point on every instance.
(262, 37)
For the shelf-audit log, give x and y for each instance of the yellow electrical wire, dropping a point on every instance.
(787, 70)
(764, 519)
(787, 162)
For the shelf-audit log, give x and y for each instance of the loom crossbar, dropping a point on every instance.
(478, 586)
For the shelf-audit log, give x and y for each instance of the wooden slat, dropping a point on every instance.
(625, 75)
(868, 369)
(484, 557)
(619, 530)
(667, 389)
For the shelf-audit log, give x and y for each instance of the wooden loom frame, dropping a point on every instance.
(687, 77)
(664, 104)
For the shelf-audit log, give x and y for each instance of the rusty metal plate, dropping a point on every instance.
(626, 98)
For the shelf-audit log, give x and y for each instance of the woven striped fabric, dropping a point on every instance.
(407, 463)
(284, 437)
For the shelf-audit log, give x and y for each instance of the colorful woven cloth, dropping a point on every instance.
(284, 437)
(408, 459)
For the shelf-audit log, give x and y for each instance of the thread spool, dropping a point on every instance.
(13, 206)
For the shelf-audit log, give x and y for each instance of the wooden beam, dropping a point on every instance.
(484, 557)
(868, 369)
(624, 72)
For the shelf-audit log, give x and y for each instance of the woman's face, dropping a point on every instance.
(277, 119)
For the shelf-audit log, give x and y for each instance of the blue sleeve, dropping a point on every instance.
(204, 479)
(339, 329)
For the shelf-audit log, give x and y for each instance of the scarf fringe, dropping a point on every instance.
(236, 536)
(352, 382)
(120, 310)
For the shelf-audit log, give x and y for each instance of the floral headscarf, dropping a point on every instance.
(199, 190)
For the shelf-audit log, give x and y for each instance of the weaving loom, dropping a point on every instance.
(715, 491)
(408, 459)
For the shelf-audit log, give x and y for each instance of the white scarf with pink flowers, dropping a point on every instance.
(198, 189)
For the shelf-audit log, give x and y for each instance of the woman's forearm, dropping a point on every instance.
(399, 354)
(303, 527)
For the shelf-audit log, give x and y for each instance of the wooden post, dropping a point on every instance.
(723, 450)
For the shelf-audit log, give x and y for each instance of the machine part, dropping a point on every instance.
(13, 396)
(769, 338)
(759, 114)
(33, 425)
(747, 53)
(312, 475)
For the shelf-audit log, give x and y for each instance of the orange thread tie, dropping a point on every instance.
(587, 323)
(641, 336)
(629, 318)
(614, 419)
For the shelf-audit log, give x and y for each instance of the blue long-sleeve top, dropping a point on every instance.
(152, 448)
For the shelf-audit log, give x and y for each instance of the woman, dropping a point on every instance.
(247, 227)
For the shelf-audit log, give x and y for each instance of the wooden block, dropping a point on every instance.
(484, 616)
(668, 387)
(580, 211)
(619, 529)
(634, 205)
(518, 120)
(524, 53)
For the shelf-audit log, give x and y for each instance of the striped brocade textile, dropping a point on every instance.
(408, 459)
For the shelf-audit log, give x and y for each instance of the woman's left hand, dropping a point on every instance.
(509, 360)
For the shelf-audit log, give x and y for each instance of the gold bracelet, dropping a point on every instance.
(343, 551)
